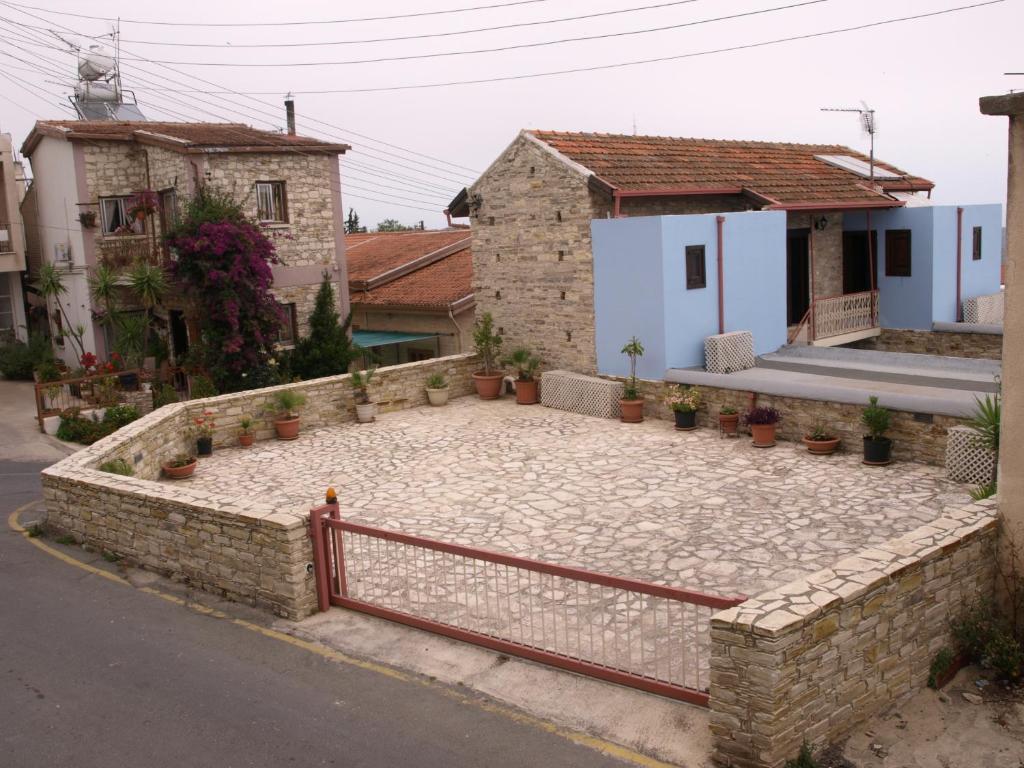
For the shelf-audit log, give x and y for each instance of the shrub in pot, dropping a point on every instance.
(631, 405)
(877, 447)
(526, 365)
(762, 421)
(245, 435)
(437, 389)
(684, 402)
(729, 421)
(181, 466)
(820, 441)
(286, 403)
(488, 345)
(366, 411)
(202, 429)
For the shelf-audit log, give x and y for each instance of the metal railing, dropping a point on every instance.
(95, 391)
(647, 636)
(119, 251)
(6, 237)
(836, 315)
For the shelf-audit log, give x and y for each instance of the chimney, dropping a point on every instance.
(289, 109)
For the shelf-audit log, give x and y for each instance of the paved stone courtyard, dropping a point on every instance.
(640, 501)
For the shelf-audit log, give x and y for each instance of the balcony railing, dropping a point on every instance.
(124, 250)
(6, 238)
(849, 313)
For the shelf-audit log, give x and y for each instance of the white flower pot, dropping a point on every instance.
(437, 396)
(51, 424)
(366, 412)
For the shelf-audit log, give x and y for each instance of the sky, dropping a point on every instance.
(413, 149)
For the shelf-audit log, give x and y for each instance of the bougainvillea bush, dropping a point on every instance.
(224, 266)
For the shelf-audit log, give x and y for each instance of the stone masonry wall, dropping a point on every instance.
(816, 658)
(984, 345)
(921, 438)
(236, 547)
(827, 247)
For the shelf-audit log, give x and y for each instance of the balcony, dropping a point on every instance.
(10, 259)
(835, 320)
(120, 251)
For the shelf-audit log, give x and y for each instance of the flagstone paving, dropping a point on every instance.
(641, 501)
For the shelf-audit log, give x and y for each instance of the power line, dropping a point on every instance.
(454, 33)
(282, 23)
(497, 49)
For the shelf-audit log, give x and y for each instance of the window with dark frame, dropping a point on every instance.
(288, 334)
(696, 276)
(271, 203)
(114, 218)
(976, 244)
(897, 253)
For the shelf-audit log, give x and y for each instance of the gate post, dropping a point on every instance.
(316, 532)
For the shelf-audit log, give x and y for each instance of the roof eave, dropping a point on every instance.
(836, 205)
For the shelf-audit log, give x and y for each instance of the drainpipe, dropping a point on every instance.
(871, 268)
(458, 330)
(448, 216)
(618, 202)
(958, 314)
(720, 223)
(810, 249)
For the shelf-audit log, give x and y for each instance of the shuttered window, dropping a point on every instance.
(696, 276)
(976, 245)
(897, 253)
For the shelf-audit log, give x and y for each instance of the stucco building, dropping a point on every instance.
(12, 245)
(534, 211)
(86, 173)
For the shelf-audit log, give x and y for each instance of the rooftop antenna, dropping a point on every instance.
(868, 123)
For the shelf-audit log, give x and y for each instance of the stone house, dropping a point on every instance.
(86, 172)
(411, 292)
(535, 209)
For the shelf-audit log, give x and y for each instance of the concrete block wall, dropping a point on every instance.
(232, 546)
(815, 658)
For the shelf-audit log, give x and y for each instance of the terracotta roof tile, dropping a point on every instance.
(372, 254)
(788, 173)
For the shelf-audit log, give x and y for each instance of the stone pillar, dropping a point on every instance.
(1011, 453)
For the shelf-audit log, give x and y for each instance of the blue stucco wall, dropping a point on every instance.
(977, 278)
(640, 287)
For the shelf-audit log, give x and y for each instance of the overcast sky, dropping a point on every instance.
(923, 78)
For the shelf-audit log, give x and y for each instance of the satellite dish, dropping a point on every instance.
(96, 64)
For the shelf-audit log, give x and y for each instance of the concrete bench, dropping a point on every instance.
(728, 352)
(966, 461)
(575, 392)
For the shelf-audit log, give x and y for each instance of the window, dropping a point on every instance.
(58, 324)
(270, 202)
(897, 253)
(6, 306)
(695, 273)
(115, 219)
(976, 246)
(168, 209)
(288, 334)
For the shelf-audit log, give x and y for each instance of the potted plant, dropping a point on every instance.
(877, 447)
(632, 405)
(365, 410)
(181, 466)
(526, 365)
(437, 389)
(728, 421)
(87, 219)
(684, 402)
(488, 344)
(245, 435)
(202, 428)
(762, 421)
(286, 403)
(820, 441)
(142, 204)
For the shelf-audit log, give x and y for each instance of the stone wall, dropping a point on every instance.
(232, 546)
(916, 437)
(984, 345)
(827, 248)
(816, 658)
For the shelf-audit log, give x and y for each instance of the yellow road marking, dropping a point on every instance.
(592, 742)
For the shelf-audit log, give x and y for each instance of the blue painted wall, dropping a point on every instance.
(640, 287)
(977, 278)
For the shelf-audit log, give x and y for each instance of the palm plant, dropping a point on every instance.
(148, 283)
(985, 423)
(633, 349)
(286, 402)
(104, 285)
(51, 286)
(525, 362)
(360, 383)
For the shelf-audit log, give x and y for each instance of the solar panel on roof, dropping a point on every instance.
(856, 165)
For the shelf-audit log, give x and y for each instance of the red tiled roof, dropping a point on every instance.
(786, 173)
(428, 270)
(183, 137)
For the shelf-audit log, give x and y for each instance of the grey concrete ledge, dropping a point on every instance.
(991, 329)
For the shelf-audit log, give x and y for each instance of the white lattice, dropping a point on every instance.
(728, 352)
(966, 461)
(575, 392)
(987, 310)
(851, 312)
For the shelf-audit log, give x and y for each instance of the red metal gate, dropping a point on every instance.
(647, 636)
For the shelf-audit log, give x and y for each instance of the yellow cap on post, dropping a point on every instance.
(332, 495)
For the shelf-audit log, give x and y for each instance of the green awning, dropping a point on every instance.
(370, 339)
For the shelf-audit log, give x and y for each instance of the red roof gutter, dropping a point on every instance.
(834, 205)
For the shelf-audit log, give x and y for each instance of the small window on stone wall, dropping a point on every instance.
(558, 215)
(696, 276)
(288, 334)
(976, 245)
(490, 220)
(561, 255)
(897, 253)
(271, 203)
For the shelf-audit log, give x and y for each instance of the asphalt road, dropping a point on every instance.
(93, 673)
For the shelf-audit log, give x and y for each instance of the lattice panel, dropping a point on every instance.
(844, 314)
(966, 461)
(728, 352)
(987, 310)
(575, 392)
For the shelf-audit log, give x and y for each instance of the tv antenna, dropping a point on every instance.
(868, 123)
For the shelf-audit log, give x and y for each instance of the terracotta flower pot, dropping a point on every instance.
(821, 447)
(287, 428)
(246, 439)
(729, 423)
(488, 387)
(526, 391)
(632, 411)
(179, 473)
(763, 434)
